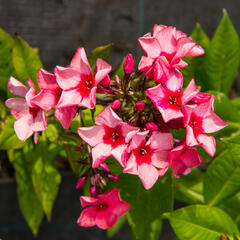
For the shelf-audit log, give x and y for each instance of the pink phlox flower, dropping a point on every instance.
(200, 119)
(102, 210)
(169, 99)
(109, 137)
(49, 96)
(30, 118)
(78, 83)
(146, 157)
(183, 158)
(167, 46)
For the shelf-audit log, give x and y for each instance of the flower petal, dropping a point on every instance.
(105, 219)
(159, 141)
(160, 159)
(120, 208)
(87, 217)
(145, 63)
(89, 101)
(99, 153)
(213, 123)
(102, 69)
(65, 115)
(190, 91)
(91, 135)
(69, 98)
(148, 175)
(150, 46)
(131, 165)
(46, 80)
(208, 143)
(39, 121)
(120, 154)
(16, 87)
(190, 137)
(18, 104)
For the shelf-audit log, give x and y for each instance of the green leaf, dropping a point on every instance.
(146, 205)
(236, 103)
(6, 65)
(195, 64)
(120, 70)
(28, 201)
(26, 60)
(8, 138)
(199, 222)
(189, 188)
(99, 52)
(222, 179)
(45, 175)
(222, 57)
(3, 111)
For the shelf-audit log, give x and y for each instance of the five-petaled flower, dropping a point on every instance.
(30, 118)
(109, 137)
(102, 210)
(164, 50)
(78, 82)
(146, 158)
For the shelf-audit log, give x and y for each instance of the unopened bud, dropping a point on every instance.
(140, 106)
(94, 191)
(81, 182)
(151, 126)
(79, 148)
(116, 104)
(128, 64)
(104, 167)
(114, 177)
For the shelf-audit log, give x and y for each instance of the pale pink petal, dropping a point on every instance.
(92, 135)
(80, 62)
(128, 131)
(208, 143)
(187, 112)
(99, 153)
(178, 167)
(170, 113)
(46, 80)
(39, 121)
(108, 118)
(89, 101)
(162, 171)
(190, 92)
(148, 175)
(87, 217)
(105, 219)
(137, 140)
(213, 123)
(18, 104)
(175, 81)
(69, 98)
(167, 40)
(65, 115)
(160, 141)
(205, 109)
(190, 137)
(120, 154)
(31, 93)
(195, 51)
(102, 69)
(160, 159)
(67, 77)
(23, 127)
(16, 87)
(157, 28)
(145, 63)
(181, 64)
(150, 46)
(176, 152)
(46, 99)
(157, 94)
(131, 165)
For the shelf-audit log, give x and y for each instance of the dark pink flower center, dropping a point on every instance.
(169, 56)
(102, 206)
(86, 85)
(143, 154)
(33, 112)
(113, 136)
(196, 124)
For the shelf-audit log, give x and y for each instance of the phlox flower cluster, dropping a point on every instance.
(140, 113)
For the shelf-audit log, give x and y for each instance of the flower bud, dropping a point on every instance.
(79, 148)
(81, 182)
(151, 126)
(104, 167)
(94, 191)
(116, 104)
(114, 177)
(140, 106)
(128, 64)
